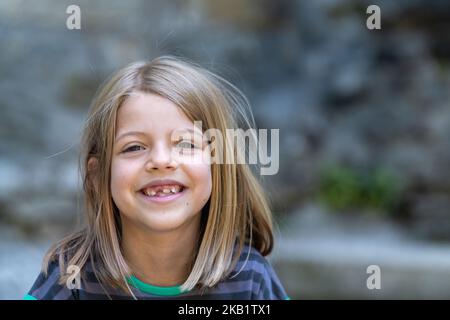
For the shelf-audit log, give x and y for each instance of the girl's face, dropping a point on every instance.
(150, 187)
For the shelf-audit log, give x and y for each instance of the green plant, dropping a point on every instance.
(346, 188)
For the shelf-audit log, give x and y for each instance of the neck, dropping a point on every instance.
(160, 258)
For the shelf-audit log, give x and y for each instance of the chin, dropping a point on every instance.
(166, 221)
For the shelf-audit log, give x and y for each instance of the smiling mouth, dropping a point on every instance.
(163, 190)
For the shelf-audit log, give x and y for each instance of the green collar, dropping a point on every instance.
(148, 288)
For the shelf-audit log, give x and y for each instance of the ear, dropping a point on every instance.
(92, 166)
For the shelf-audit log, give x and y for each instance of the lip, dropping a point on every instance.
(159, 182)
(165, 199)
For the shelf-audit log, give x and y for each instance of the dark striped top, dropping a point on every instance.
(256, 280)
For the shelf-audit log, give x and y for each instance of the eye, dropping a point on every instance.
(186, 145)
(132, 148)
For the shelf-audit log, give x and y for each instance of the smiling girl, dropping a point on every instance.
(157, 224)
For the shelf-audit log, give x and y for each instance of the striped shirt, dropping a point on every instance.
(253, 279)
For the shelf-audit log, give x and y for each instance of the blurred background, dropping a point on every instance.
(363, 115)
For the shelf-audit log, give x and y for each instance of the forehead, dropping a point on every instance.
(147, 112)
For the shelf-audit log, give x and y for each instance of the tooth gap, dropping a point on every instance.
(172, 190)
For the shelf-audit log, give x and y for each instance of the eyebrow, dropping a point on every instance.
(140, 133)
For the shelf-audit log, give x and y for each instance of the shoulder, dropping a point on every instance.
(257, 271)
(47, 287)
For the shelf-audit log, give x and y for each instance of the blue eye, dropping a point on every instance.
(132, 148)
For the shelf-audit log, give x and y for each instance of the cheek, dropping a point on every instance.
(121, 177)
(201, 176)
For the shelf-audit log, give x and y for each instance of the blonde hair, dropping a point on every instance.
(237, 211)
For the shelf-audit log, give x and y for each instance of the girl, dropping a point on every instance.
(157, 224)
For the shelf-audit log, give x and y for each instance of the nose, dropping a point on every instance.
(161, 159)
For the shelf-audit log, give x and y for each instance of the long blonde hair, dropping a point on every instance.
(237, 211)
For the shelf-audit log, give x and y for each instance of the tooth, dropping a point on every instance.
(173, 189)
(166, 191)
(150, 192)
